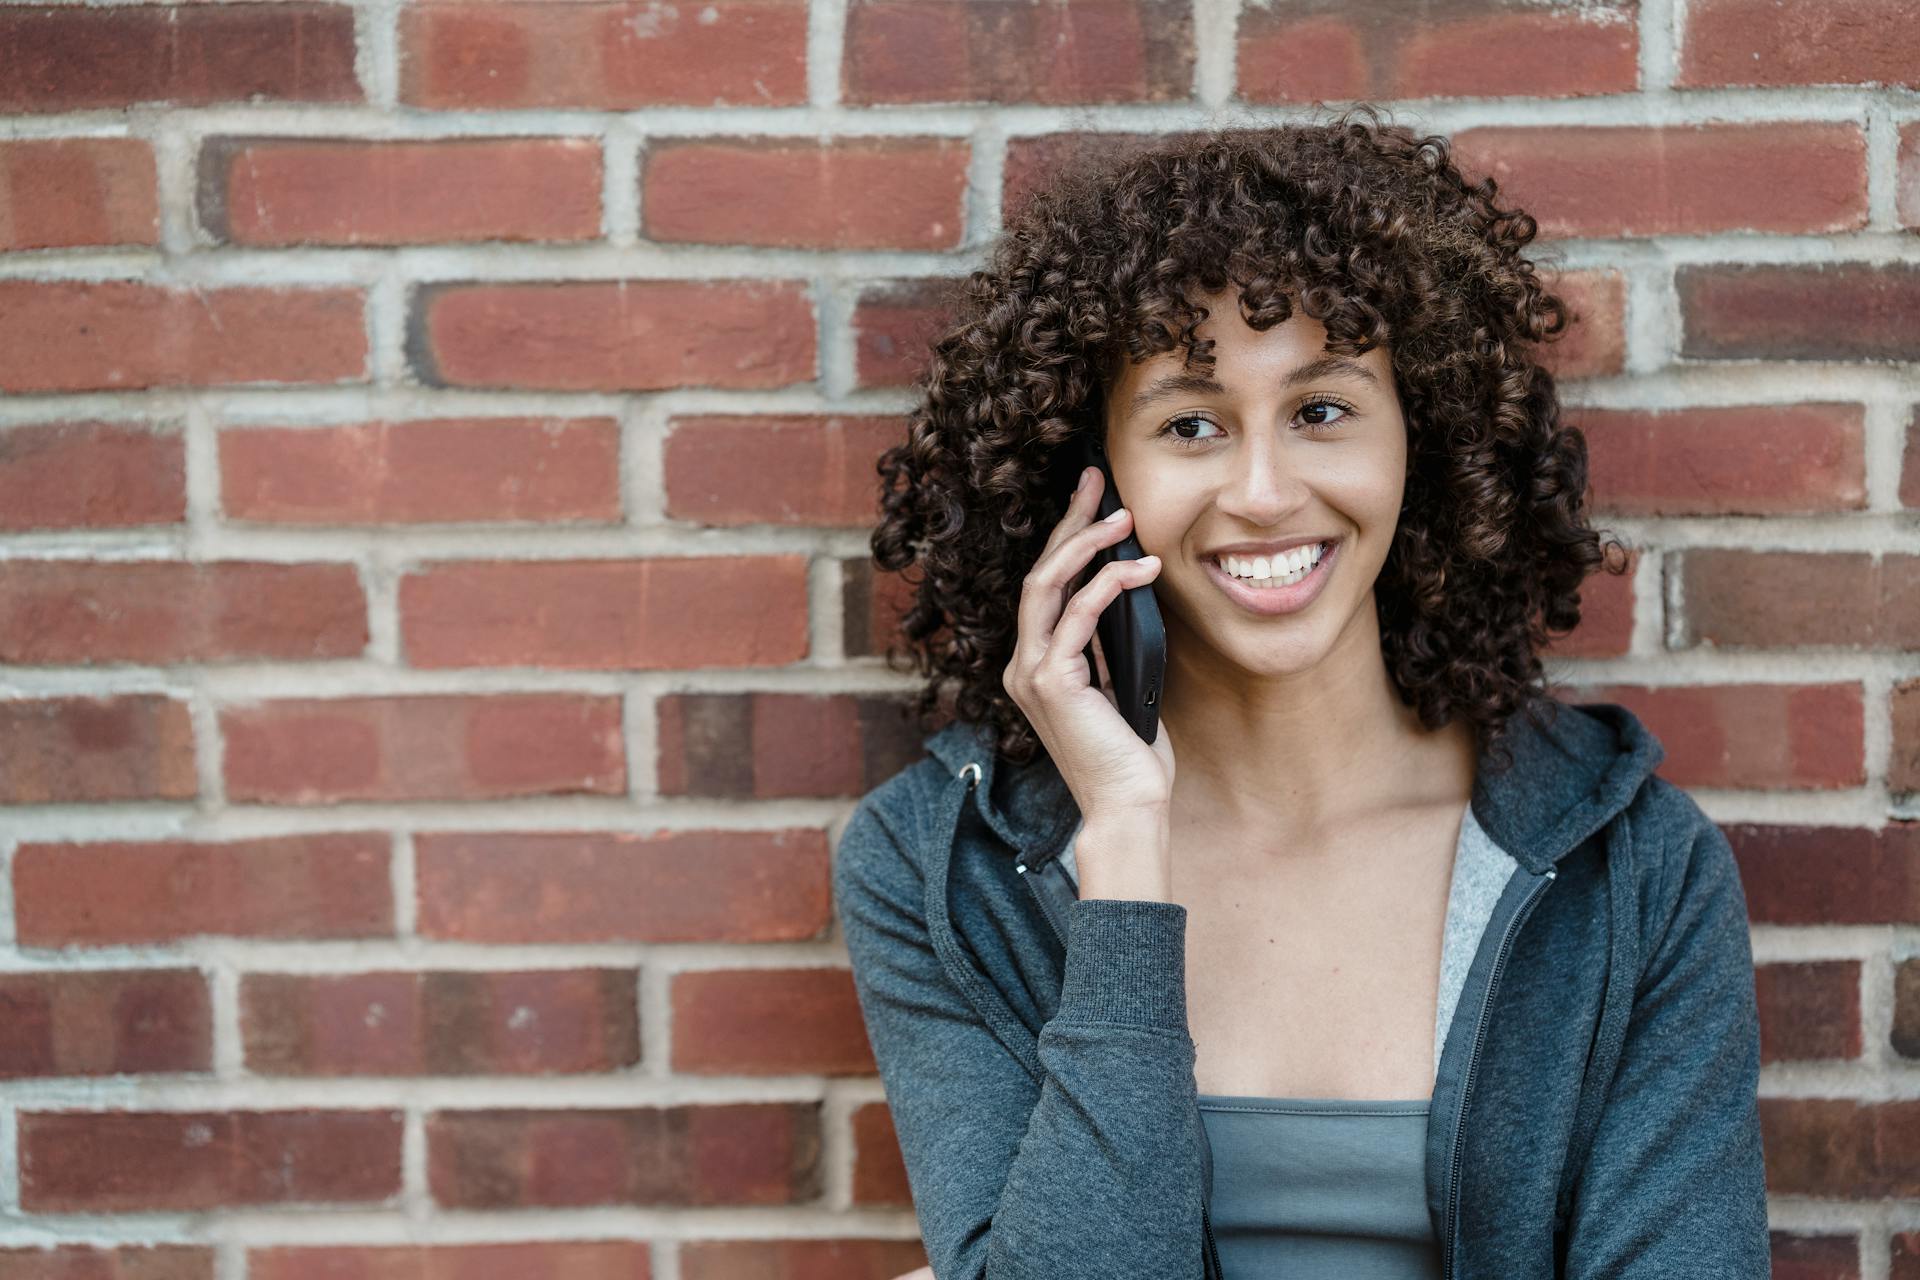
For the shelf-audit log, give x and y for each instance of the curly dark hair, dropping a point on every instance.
(1381, 238)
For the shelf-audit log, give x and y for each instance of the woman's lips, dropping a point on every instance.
(1270, 601)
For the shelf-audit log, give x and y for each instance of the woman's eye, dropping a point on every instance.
(1173, 429)
(1325, 404)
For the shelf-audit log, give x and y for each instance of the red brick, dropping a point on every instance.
(1762, 42)
(733, 1154)
(800, 1259)
(1594, 343)
(104, 1022)
(1752, 735)
(1734, 460)
(1073, 51)
(160, 612)
(879, 1170)
(91, 475)
(789, 470)
(424, 747)
(91, 750)
(116, 1161)
(71, 58)
(109, 1262)
(478, 470)
(1903, 770)
(533, 1260)
(1039, 160)
(1809, 1010)
(618, 886)
(58, 192)
(767, 745)
(1781, 599)
(122, 335)
(351, 191)
(1808, 1257)
(1840, 1148)
(705, 742)
(1817, 311)
(1829, 875)
(854, 193)
(128, 892)
(1630, 180)
(894, 328)
(663, 613)
(614, 335)
(1904, 1254)
(443, 1023)
(873, 604)
(611, 57)
(1369, 49)
(768, 1022)
(1906, 1008)
(1606, 613)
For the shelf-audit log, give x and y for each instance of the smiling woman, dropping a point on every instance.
(1407, 969)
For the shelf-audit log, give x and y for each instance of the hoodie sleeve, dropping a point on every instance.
(1674, 1184)
(1093, 1169)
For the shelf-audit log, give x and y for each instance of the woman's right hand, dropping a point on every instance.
(1115, 778)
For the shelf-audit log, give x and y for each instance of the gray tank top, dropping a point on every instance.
(1337, 1186)
(1320, 1187)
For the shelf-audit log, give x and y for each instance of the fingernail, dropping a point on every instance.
(1115, 517)
(1086, 478)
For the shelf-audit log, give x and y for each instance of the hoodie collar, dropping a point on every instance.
(1575, 765)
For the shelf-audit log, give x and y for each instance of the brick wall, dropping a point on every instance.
(434, 477)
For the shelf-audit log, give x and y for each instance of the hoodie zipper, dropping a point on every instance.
(1046, 908)
(1211, 1263)
(1213, 1250)
(1473, 1060)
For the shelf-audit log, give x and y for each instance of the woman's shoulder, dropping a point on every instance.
(1605, 754)
(1684, 863)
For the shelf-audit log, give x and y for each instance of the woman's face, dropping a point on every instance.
(1287, 444)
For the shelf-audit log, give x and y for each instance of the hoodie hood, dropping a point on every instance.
(1574, 766)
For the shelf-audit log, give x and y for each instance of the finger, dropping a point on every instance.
(1082, 614)
(1082, 507)
(1050, 583)
(1061, 567)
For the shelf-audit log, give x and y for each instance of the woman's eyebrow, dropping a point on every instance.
(1326, 366)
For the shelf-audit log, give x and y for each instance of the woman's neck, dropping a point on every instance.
(1307, 751)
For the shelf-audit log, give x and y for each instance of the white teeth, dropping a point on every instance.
(1281, 570)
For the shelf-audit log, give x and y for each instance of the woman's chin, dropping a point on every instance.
(1265, 657)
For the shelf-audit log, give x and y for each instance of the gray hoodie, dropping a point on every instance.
(1594, 1111)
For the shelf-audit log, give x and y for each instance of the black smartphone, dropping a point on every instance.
(1133, 639)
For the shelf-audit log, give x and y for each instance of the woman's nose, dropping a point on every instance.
(1265, 484)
